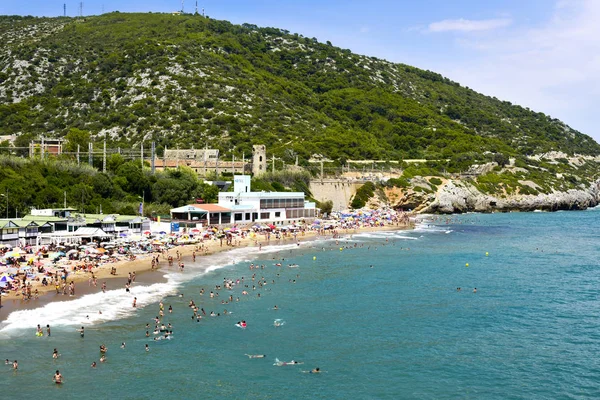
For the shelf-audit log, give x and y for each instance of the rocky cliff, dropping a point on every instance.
(459, 196)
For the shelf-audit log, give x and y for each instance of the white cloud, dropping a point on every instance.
(466, 25)
(364, 29)
(552, 68)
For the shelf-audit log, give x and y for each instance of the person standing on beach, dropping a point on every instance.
(48, 329)
(134, 302)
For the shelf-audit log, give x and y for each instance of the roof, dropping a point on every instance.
(195, 208)
(25, 223)
(211, 208)
(91, 232)
(7, 223)
(40, 218)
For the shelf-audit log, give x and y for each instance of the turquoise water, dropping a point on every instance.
(397, 330)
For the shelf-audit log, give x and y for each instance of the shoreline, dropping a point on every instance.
(146, 275)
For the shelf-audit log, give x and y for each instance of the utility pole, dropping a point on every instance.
(273, 164)
(321, 170)
(142, 154)
(104, 157)
(90, 153)
(78, 155)
(232, 162)
(217, 166)
(65, 200)
(165, 159)
(243, 163)
(42, 147)
(153, 166)
(205, 155)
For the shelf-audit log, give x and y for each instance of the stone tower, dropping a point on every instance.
(259, 159)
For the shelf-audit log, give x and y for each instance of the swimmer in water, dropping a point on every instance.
(256, 355)
(315, 371)
(57, 377)
(123, 345)
(93, 364)
(103, 358)
(55, 354)
(285, 363)
(81, 332)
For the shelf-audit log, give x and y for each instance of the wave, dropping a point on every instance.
(117, 304)
(401, 235)
(89, 309)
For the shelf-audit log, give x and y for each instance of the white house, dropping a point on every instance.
(273, 207)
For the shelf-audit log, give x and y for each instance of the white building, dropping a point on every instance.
(273, 207)
(244, 206)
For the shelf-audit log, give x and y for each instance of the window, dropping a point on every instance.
(237, 217)
(247, 216)
(277, 214)
(260, 159)
(264, 215)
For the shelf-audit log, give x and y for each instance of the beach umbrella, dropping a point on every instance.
(5, 278)
(13, 254)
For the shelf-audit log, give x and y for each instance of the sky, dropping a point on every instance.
(541, 54)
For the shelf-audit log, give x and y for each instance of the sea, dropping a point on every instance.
(380, 314)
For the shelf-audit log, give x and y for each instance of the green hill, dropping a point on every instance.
(188, 81)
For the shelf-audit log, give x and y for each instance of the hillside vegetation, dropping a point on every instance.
(193, 81)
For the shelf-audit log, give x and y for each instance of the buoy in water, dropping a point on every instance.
(467, 265)
(314, 258)
(487, 254)
(341, 248)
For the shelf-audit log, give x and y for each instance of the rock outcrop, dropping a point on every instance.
(459, 197)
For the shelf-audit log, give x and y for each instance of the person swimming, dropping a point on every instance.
(58, 378)
(285, 363)
(256, 355)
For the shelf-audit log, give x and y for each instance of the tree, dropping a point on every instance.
(76, 137)
(114, 161)
(326, 207)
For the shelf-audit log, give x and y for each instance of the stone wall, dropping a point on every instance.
(338, 191)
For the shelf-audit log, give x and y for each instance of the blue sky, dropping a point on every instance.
(541, 54)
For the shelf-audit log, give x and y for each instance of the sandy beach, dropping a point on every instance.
(145, 274)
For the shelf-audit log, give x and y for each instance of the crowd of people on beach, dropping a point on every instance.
(245, 286)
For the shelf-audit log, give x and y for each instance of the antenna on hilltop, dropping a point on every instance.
(81, 8)
(64, 9)
(196, 6)
(182, 6)
(203, 11)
